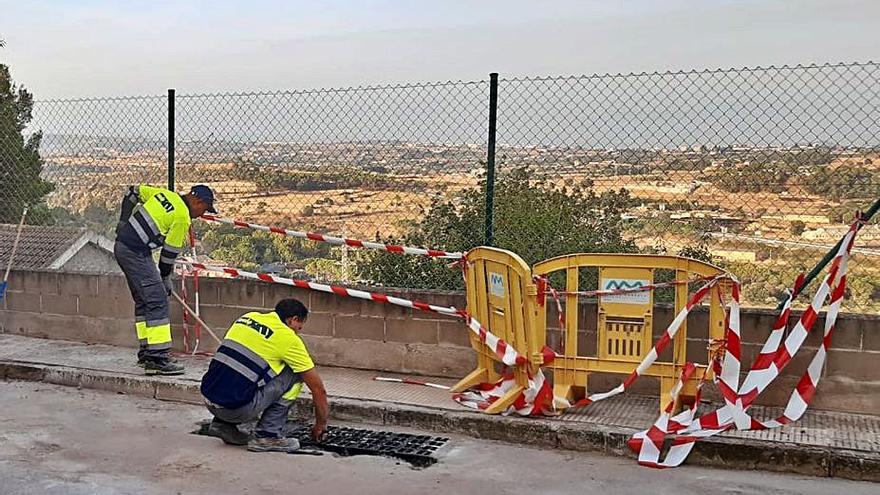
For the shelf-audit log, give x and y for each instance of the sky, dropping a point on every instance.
(85, 48)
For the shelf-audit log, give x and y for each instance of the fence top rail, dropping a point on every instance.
(346, 89)
(438, 84)
(689, 72)
(96, 99)
(291, 92)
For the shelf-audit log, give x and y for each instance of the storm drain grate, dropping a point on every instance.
(418, 450)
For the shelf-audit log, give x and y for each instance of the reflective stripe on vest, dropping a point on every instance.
(245, 362)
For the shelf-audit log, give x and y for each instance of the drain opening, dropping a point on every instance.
(418, 450)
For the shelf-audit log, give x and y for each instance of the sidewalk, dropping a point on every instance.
(822, 443)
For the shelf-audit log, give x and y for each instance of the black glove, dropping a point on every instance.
(166, 281)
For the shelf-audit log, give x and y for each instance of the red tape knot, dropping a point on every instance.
(541, 282)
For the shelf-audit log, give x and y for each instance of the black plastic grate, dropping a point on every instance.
(418, 450)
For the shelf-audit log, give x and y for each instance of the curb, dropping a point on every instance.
(718, 452)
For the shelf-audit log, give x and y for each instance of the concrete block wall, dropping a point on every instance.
(364, 334)
(349, 332)
(340, 331)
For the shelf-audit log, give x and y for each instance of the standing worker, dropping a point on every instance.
(258, 371)
(150, 218)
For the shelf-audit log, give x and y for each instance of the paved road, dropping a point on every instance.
(58, 440)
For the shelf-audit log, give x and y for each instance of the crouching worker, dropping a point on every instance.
(258, 371)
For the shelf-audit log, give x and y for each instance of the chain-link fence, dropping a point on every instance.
(757, 170)
(68, 161)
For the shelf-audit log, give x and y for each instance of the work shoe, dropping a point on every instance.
(227, 432)
(163, 367)
(273, 445)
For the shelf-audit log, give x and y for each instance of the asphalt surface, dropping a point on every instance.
(59, 440)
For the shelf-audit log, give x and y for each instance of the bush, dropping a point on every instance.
(755, 176)
(533, 218)
(844, 182)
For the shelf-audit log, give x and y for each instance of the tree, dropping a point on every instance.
(754, 176)
(20, 162)
(250, 250)
(534, 218)
(844, 182)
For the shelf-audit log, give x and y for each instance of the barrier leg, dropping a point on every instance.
(666, 386)
(685, 397)
(485, 373)
(505, 400)
(563, 390)
(476, 377)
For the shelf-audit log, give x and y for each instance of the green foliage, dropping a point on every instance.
(96, 216)
(764, 284)
(757, 176)
(20, 161)
(843, 182)
(534, 218)
(699, 252)
(325, 178)
(326, 270)
(249, 250)
(845, 212)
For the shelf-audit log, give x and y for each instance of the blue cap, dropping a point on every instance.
(204, 193)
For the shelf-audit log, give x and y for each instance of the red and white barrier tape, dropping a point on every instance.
(410, 381)
(774, 356)
(661, 344)
(505, 352)
(544, 288)
(337, 241)
(537, 398)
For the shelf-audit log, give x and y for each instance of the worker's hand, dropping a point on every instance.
(168, 285)
(318, 431)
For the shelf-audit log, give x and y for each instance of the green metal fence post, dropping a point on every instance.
(490, 158)
(171, 139)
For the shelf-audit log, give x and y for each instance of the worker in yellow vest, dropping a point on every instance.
(153, 218)
(258, 371)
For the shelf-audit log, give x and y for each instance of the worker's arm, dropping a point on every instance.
(319, 398)
(129, 201)
(299, 360)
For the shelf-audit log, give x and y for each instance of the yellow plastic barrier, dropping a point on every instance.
(624, 321)
(501, 296)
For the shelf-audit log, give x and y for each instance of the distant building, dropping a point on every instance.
(739, 254)
(869, 235)
(821, 219)
(57, 248)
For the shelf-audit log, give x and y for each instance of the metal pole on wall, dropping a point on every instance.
(490, 158)
(171, 139)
